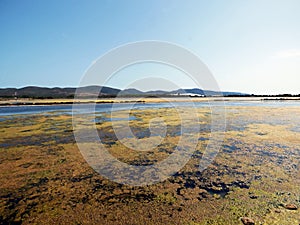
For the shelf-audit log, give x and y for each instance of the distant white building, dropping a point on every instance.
(190, 94)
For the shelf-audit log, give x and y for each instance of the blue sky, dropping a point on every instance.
(250, 46)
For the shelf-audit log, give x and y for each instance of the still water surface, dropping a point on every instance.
(107, 107)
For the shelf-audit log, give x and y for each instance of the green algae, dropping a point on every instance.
(46, 180)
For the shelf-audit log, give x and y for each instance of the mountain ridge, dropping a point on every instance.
(102, 91)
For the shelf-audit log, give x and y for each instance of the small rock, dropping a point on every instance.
(253, 196)
(277, 210)
(291, 207)
(247, 221)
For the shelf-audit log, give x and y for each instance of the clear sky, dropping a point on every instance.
(251, 46)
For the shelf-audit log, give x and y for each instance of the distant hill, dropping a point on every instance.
(89, 91)
(97, 90)
(185, 92)
(44, 92)
(131, 91)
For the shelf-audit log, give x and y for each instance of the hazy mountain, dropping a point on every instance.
(157, 92)
(89, 91)
(96, 90)
(44, 92)
(131, 91)
(196, 91)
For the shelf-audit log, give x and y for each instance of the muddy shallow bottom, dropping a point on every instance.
(46, 180)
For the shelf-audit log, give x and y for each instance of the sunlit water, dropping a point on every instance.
(107, 107)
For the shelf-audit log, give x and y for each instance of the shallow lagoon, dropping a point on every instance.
(256, 173)
(106, 107)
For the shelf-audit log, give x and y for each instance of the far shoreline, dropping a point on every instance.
(41, 102)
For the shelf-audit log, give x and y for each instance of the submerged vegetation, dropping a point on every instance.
(45, 180)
